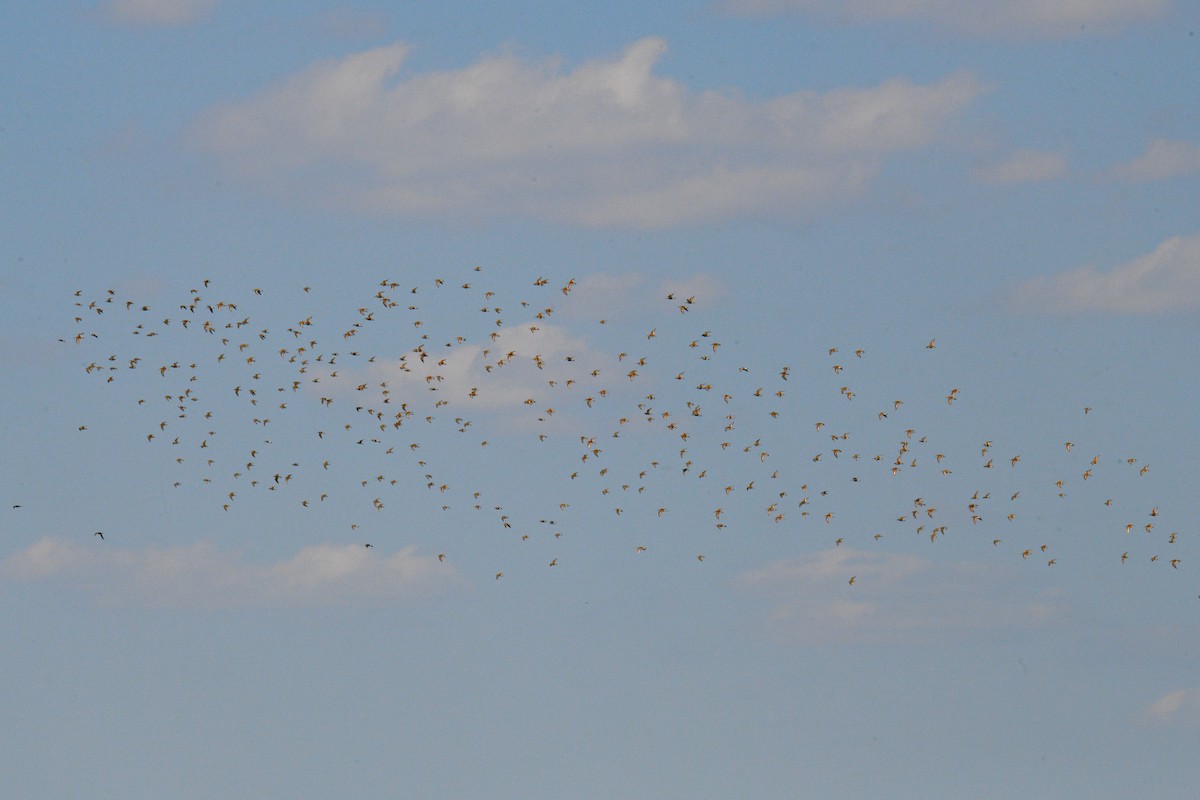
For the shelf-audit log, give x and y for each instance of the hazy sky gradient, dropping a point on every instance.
(1016, 182)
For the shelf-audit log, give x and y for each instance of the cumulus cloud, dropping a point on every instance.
(522, 380)
(160, 12)
(1181, 707)
(1025, 166)
(1037, 19)
(533, 370)
(894, 598)
(1167, 279)
(512, 366)
(608, 143)
(1163, 159)
(201, 576)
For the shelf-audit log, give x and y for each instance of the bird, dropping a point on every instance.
(99, 533)
(380, 418)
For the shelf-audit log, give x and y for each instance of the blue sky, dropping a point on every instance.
(661, 258)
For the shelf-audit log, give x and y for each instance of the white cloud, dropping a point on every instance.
(723, 192)
(525, 362)
(201, 576)
(1163, 159)
(1037, 19)
(606, 143)
(518, 377)
(1025, 166)
(1167, 279)
(893, 598)
(1181, 706)
(556, 365)
(160, 12)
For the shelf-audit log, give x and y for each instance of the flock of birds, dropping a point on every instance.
(664, 421)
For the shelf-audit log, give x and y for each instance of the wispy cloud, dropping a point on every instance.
(531, 371)
(1180, 707)
(1167, 279)
(1025, 166)
(160, 12)
(893, 598)
(1029, 19)
(201, 576)
(1163, 159)
(516, 364)
(608, 143)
